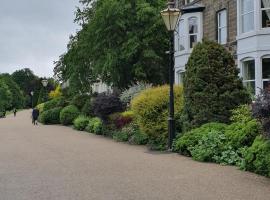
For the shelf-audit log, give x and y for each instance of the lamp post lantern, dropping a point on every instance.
(44, 82)
(170, 17)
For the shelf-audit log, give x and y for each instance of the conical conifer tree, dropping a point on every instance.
(212, 87)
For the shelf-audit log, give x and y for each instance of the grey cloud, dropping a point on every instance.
(33, 33)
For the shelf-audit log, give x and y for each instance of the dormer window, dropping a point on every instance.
(265, 10)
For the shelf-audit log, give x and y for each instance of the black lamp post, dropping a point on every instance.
(170, 16)
(45, 83)
(32, 94)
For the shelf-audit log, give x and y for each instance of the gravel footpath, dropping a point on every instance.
(58, 163)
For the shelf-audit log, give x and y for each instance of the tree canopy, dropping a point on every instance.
(120, 42)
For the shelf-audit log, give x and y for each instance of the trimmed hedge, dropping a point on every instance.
(68, 114)
(51, 116)
(40, 107)
(151, 109)
(80, 123)
(257, 157)
(57, 102)
(95, 126)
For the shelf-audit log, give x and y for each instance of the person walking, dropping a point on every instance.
(35, 114)
(15, 112)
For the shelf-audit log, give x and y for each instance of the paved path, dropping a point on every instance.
(58, 163)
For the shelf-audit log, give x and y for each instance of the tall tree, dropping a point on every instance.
(26, 79)
(18, 98)
(5, 96)
(121, 42)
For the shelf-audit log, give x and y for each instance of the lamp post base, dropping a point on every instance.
(171, 123)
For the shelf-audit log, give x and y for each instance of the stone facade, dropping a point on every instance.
(247, 38)
(210, 19)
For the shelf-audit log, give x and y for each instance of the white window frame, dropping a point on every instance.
(180, 76)
(242, 16)
(220, 28)
(242, 70)
(193, 34)
(188, 1)
(264, 79)
(261, 13)
(180, 36)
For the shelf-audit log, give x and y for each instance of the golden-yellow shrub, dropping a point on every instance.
(151, 108)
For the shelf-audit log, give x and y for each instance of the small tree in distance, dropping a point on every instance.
(212, 87)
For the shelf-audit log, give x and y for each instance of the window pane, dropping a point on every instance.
(249, 70)
(247, 6)
(250, 86)
(193, 26)
(266, 85)
(180, 77)
(181, 43)
(222, 39)
(181, 36)
(266, 68)
(193, 40)
(222, 18)
(265, 18)
(247, 22)
(265, 3)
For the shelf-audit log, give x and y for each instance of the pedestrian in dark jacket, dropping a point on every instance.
(35, 114)
(15, 112)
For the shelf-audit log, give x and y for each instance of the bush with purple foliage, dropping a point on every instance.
(106, 104)
(261, 110)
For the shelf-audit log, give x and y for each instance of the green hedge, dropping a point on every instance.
(257, 157)
(95, 126)
(51, 116)
(80, 123)
(68, 114)
(57, 102)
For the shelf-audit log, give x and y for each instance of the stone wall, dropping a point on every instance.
(210, 20)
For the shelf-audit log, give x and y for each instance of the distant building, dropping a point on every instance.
(242, 26)
(100, 87)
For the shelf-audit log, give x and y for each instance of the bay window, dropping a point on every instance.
(266, 72)
(247, 15)
(193, 31)
(181, 41)
(188, 1)
(265, 13)
(248, 73)
(222, 26)
(180, 77)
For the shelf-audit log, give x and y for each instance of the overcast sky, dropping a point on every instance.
(34, 33)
